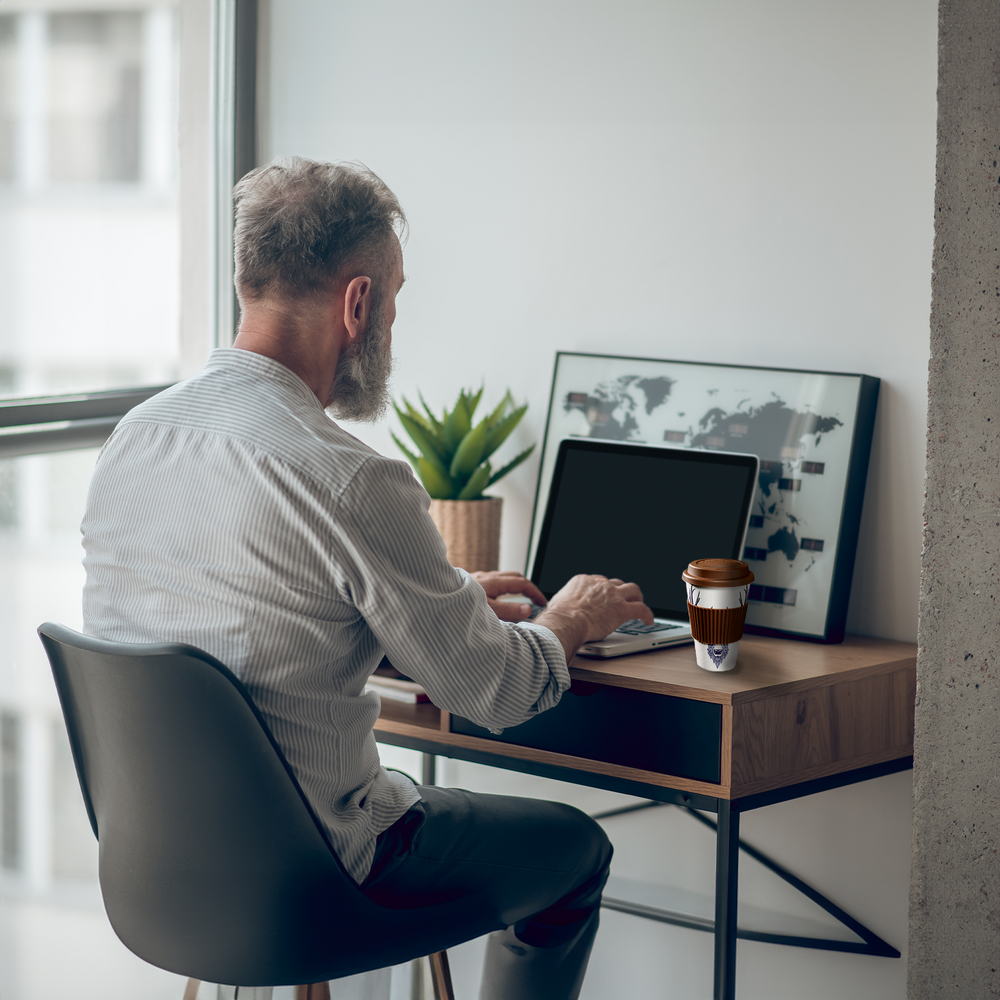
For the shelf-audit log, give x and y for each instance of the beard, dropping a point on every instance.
(361, 386)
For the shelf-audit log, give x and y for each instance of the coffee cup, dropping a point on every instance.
(718, 591)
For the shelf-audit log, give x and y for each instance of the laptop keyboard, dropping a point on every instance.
(636, 627)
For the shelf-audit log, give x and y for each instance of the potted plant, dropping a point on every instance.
(452, 461)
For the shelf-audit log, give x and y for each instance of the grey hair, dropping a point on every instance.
(299, 223)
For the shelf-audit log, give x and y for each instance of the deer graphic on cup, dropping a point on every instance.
(718, 594)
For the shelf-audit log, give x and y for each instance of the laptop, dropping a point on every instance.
(641, 514)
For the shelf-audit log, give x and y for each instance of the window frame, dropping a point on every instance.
(34, 425)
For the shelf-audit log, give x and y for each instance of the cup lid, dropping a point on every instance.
(718, 573)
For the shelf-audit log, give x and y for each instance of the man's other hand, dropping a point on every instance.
(496, 584)
(591, 607)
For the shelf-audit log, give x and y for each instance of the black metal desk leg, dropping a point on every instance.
(727, 857)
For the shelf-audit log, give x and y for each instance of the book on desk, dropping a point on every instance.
(388, 682)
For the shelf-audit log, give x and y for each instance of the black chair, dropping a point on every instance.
(212, 863)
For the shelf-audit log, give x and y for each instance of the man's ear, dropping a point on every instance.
(357, 305)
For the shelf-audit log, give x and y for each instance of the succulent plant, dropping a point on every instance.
(452, 459)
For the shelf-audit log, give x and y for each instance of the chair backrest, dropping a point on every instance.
(212, 863)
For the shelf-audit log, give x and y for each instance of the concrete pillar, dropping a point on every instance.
(954, 948)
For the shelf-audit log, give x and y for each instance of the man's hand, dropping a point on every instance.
(591, 607)
(496, 584)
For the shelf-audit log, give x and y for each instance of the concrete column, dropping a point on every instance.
(954, 948)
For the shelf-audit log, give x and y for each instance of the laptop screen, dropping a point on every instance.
(642, 514)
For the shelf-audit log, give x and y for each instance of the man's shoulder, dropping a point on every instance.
(260, 408)
(385, 482)
(236, 390)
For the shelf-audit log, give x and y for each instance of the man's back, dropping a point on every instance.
(228, 479)
(212, 520)
(231, 513)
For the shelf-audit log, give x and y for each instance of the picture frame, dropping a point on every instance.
(812, 431)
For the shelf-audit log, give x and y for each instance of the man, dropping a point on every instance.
(230, 512)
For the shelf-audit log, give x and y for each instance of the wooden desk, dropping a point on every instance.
(793, 718)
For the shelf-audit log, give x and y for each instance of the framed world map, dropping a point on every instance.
(812, 432)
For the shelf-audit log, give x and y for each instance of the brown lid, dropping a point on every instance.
(718, 573)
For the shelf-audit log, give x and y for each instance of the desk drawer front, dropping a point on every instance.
(852, 724)
(632, 728)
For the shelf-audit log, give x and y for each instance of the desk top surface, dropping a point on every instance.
(766, 667)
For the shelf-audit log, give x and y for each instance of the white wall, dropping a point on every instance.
(721, 181)
(749, 183)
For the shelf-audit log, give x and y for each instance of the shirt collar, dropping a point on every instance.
(260, 367)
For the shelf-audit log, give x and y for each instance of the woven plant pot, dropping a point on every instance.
(471, 531)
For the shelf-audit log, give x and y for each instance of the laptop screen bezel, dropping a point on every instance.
(709, 457)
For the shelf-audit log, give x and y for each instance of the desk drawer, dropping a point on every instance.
(633, 728)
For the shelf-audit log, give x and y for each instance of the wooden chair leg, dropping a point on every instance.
(191, 990)
(441, 976)
(313, 991)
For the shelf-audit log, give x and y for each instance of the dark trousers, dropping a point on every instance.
(538, 867)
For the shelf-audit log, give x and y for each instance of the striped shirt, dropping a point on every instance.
(231, 513)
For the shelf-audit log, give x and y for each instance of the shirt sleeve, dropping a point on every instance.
(432, 619)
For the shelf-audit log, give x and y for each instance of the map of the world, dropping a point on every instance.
(798, 423)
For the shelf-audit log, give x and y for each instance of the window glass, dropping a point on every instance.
(10, 790)
(49, 893)
(95, 82)
(89, 219)
(8, 97)
(41, 506)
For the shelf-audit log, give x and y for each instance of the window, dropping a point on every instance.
(89, 211)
